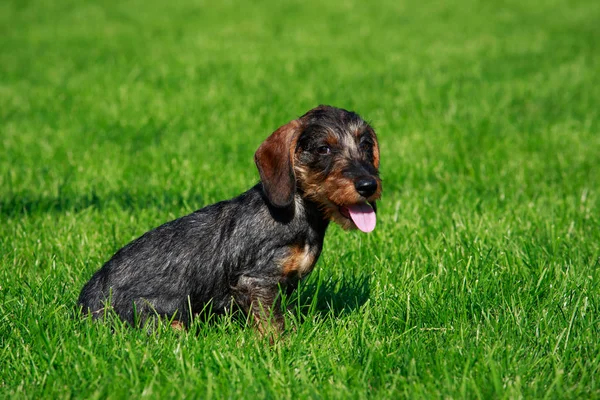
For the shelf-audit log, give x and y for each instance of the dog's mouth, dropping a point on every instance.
(362, 214)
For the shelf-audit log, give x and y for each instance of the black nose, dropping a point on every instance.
(366, 186)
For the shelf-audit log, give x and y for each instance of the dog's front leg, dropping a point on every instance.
(259, 297)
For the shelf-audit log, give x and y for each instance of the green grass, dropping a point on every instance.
(481, 279)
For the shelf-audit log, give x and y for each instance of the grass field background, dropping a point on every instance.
(481, 279)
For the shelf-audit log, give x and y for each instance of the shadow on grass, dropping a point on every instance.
(14, 206)
(332, 297)
(326, 299)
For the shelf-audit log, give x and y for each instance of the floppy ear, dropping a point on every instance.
(376, 153)
(275, 161)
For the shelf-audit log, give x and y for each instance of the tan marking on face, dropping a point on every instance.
(324, 191)
(331, 192)
(300, 261)
(332, 140)
(375, 149)
(376, 156)
(309, 181)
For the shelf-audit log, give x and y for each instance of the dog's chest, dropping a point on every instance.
(299, 261)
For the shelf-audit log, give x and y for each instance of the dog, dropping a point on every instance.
(321, 167)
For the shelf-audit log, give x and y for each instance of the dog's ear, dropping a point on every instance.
(375, 151)
(275, 161)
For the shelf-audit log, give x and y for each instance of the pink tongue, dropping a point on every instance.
(363, 216)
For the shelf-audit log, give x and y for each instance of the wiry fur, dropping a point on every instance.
(241, 251)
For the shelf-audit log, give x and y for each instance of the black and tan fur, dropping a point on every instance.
(242, 251)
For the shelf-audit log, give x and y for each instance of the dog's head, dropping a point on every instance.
(331, 157)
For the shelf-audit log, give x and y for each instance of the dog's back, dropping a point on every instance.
(195, 261)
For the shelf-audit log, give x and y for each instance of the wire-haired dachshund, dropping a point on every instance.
(318, 168)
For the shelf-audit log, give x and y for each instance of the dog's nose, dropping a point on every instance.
(366, 187)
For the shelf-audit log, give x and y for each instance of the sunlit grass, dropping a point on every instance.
(481, 278)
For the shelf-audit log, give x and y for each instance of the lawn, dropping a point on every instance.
(481, 279)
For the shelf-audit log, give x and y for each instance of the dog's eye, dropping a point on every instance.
(323, 150)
